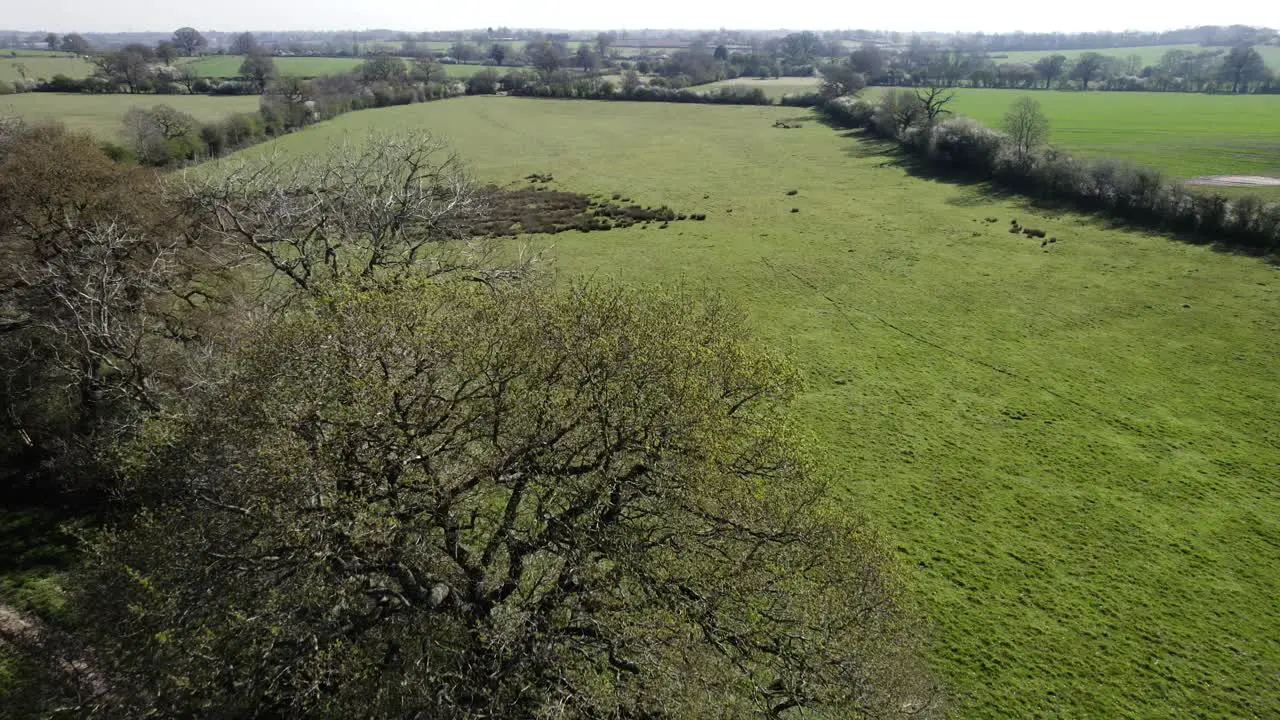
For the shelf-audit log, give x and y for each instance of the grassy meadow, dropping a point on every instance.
(1183, 134)
(41, 65)
(1073, 448)
(103, 115)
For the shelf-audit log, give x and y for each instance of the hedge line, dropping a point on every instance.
(1135, 194)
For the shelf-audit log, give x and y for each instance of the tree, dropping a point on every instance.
(87, 253)
(1088, 66)
(803, 47)
(840, 79)
(546, 56)
(359, 210)
(484, 82)
(75, 43)
(604, 41)
(1027, 127)
(261, 69)
(161, 134)
(51, 40)
(383, 68)
(243, 44)
(1242, 66)
(189, 40)
(897, 112)
(587, 59)
(630, 82)
(498, 53)
(869, 60)
(166, 52)
(450, 499)
(464, 52)
(1050, 68)
(933, 102)
(130, 66)
(427, 70)
(721, 53)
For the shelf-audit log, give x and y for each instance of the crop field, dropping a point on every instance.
(1073, 447)
(41, 65)
(103, 115)
(1150, 54)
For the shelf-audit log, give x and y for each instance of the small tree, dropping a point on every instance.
(383, 68)
(933, 102)
(1088, 66)
(498, 53)
(243, 44)
(51, 40)
(631, 82)
(587, 59)
(1050, 68)
(260, 69)
(897, 112)
(839, 80)
(162, 134)
(75, 43)
(166, 52)
(1027, 127)
(484, 82)
(1242, 66)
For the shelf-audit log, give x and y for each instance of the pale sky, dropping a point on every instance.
(422, 15)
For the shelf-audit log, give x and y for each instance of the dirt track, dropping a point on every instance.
(1236, 180)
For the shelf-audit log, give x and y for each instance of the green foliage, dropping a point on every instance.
(469, 499)
(1071, 462)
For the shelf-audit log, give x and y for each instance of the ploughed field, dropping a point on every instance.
(1073, 445)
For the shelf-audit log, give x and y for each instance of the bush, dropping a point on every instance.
(811, 99)
(484, 82)
(965, 145)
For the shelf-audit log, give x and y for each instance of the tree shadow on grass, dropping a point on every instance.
(981, 190)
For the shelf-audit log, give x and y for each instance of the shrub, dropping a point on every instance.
(484, 82)
(965, 145)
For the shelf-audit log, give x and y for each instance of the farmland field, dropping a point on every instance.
(1150, 54)
(102, 115)
(1073, 448)
(42, 65)
(773, 87)
(1184, 135)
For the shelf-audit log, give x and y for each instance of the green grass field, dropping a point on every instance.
(1074, 451)
(1185, 135)
(103, 115)
(42, 65)
(1150, 54)
(773, 87)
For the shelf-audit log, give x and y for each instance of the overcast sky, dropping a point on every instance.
(421, 15)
